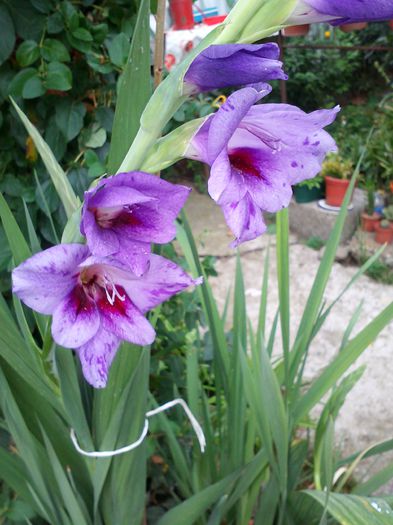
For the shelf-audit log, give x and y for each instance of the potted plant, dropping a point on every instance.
(310, 190)
(370, 217)
(337, 173)
(300, 30)
(384, 229)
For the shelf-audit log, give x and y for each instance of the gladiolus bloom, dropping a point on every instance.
(256, 153)
(95, 302)
(127, 212)
(220, 66)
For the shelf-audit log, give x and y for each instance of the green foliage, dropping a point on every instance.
(61, 61)
(323, 77)
(315, 242)
(379, 160)
(388, 213)
(316, 182)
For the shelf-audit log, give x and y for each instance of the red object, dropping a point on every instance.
(369, 222)
(181, 11)
(296, 30)
(214, 20)
(391, 24)
(356, 26)
(170, 61)
(384, 235)
(335, 190)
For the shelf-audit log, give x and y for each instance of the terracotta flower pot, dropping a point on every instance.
(384, 235)
(335, 190)
(356, 26)
(296, 30)
(369, 221)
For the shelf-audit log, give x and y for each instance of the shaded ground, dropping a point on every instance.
(367, 416)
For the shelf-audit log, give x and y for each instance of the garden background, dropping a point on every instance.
(61, 61)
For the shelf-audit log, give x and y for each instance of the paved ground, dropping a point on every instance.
(367, 416)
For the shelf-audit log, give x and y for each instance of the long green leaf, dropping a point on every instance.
(354, 510)
(59, 178)
(342, 362)
(134, 92)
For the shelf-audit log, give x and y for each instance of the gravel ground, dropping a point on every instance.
(367, 416)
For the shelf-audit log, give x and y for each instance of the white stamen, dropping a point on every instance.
(114, 291)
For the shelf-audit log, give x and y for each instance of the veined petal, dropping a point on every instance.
(47, 277)
(123, 319)
(228, 118)
(163, 279)
(225, 185)
(76, 320)
(96, 357)
(135, 255)
(267, 186)
(245, 220)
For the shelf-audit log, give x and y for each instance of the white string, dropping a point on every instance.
(110, 453)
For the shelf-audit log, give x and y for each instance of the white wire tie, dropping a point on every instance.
(110, 453)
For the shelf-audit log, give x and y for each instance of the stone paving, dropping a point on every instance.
(367, 416)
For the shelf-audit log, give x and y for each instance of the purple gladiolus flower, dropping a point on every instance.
(256, 153)
(127, 212)
(220, 66)
(341, 11)
(95, 303)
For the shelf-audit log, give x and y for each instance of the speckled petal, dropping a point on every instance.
(96, 357)
(46, 278)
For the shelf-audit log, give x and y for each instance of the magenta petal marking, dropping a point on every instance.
(75, 320)
(124, 320)
(137, 207)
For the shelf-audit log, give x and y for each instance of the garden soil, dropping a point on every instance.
(367, 416)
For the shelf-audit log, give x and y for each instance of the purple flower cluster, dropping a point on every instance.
(99, 293)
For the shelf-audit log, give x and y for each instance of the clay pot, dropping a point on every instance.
(370, 221)
(383, 235)
(296, 30)
(335, 190)
(356, 26)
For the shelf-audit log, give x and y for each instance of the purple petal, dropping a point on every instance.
(125, 321)
(268, 187)
(134, 255)
(96, 357)
(133, 208)
(46, 278)
(76, 320)
(355, 10)
(245, 220)
(220, 66)
(228, 118)
(163, 279)
(102, 241)
(110, 195)
(172, 196)
(224, 185)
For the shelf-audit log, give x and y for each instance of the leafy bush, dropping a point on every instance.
(62, 62)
